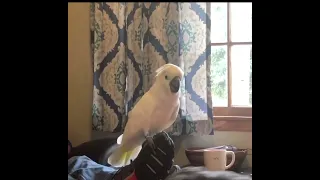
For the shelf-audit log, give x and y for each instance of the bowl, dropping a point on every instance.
(195, 156)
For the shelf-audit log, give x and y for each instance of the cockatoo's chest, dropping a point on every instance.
(161, 114)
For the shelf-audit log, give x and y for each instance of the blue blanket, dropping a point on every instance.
(83, 168)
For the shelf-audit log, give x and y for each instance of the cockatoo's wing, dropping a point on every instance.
(134, 133)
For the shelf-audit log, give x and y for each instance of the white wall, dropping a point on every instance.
(80, 76)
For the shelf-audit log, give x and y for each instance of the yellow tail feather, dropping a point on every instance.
(127, 159)
(121, 157)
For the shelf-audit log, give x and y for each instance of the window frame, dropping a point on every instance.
(231, 118)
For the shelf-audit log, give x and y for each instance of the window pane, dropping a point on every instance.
(241, 22)
(218, 22)
(241, 60)
(219, 74)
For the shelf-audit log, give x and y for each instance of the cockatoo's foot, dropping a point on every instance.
(148, 165)
(151, 143)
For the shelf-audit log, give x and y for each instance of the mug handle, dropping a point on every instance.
(232, 160)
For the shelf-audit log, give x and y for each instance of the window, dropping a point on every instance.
(231, 48)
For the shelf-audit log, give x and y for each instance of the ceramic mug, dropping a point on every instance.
(216, 159)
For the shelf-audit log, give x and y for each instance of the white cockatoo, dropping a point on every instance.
(155, 112)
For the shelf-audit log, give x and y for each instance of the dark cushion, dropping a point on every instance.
(97, 150)
(69, 146)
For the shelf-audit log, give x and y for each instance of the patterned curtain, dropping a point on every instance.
(131, 40)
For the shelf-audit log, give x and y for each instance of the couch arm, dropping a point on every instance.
(95, 149)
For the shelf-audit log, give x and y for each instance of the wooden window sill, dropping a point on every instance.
(233, 123)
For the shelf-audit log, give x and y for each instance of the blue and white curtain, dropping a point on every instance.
(131, 40)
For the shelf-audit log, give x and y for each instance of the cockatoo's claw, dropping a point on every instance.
(151, 144)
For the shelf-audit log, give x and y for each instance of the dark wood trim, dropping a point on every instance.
(232, 111)
(232, 123)
(233, 118)
(229, 63)
(231, 43)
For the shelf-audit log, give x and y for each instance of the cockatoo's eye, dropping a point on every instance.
(166, 77)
